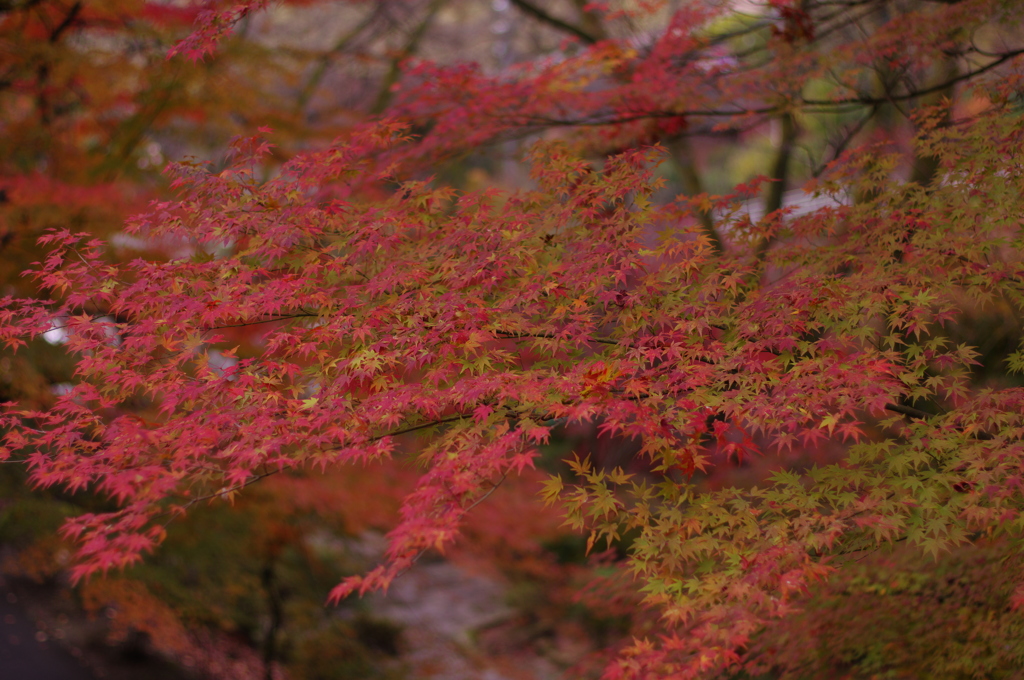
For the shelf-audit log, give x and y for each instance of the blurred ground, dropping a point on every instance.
(44, 635)
(27, 650)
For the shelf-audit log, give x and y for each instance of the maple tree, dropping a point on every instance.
(92, 106)
(375, 301)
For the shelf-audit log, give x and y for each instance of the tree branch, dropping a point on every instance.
(681, 153)
(66, 23)
(913, 94)
(779, 176)
(320, 70)
(384, 95)
(261, 321)
(807, 105)
(421, 426)
(547, 336)
(918, 414)
(538, 13)
(926, 167)
(590, 21)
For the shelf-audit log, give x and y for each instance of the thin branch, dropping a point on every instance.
(12, 6)
(421, 426)
(228, 490)
(803, 104)
(681, 153)
(926, 167)
(305, 315)
(909, 411)
(590, 21)
(320, 70)
(779, 176)
(918, 414)
(66, 23)
(538, 13)
(850, 135)
(508, 335)
(647, 115)
(395, 71)
(913, 94)
(487, 494)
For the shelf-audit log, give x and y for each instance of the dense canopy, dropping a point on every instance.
(808, 360)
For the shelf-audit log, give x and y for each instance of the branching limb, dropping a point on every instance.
(681, 153)
(590, 21)
(320, 70)
(827, 105)
(926, 167)
(779, 175)
(918, 414)
(384, 95)
(547, 336)
(551, 20)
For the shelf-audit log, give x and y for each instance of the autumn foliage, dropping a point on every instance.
(289, 313)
